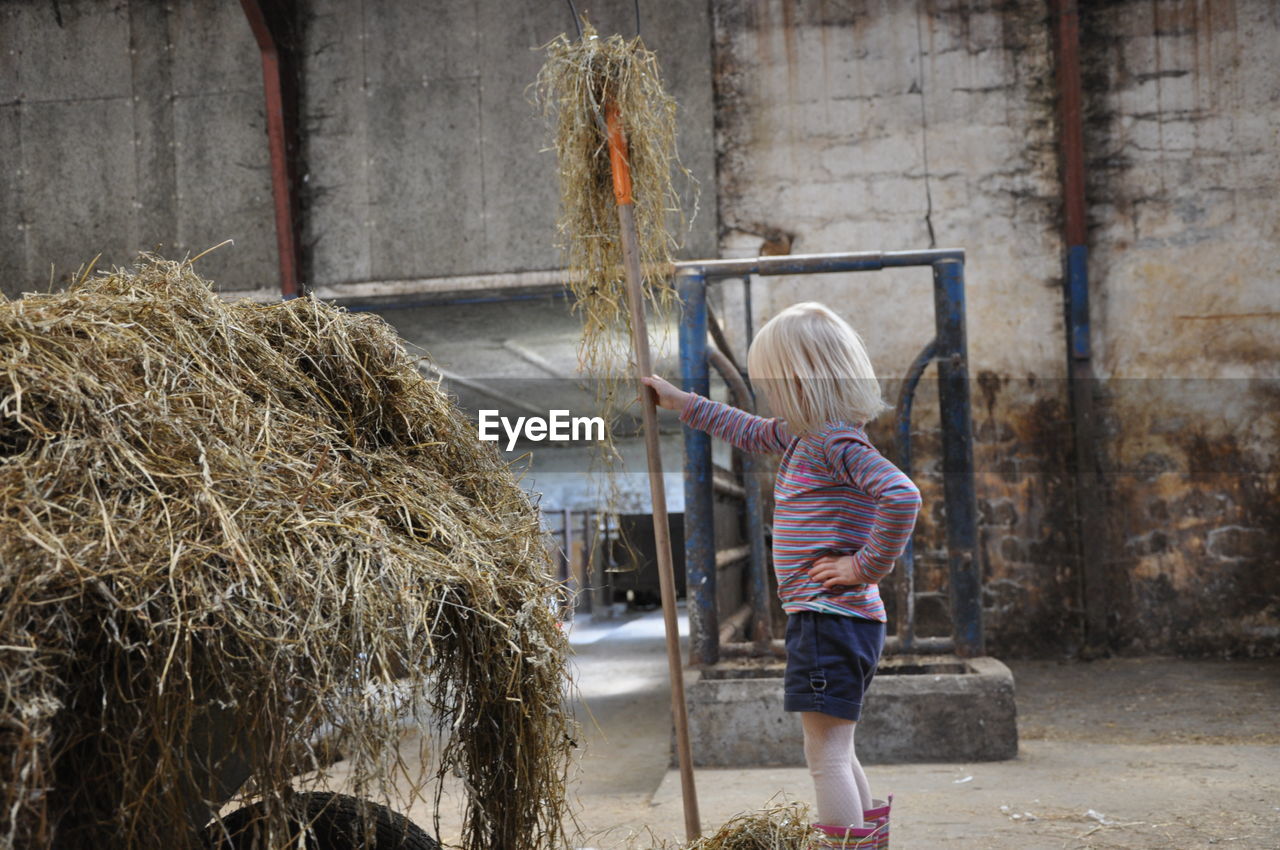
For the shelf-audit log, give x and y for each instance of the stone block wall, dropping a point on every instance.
(883, 126)
(1183, 117)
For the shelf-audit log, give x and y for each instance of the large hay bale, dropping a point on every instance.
(239, 521)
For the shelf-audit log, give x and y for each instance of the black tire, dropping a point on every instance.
(333, 822)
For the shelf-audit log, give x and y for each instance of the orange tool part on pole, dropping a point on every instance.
(661, 531)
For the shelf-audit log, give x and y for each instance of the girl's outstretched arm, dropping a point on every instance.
(897, 502)
(747, 432)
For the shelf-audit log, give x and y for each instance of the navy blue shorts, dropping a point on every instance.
(831, 660)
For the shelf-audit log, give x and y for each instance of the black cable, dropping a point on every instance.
(577, 22)
(637, 18)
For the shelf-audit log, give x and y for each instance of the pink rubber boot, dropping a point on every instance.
(879, 817)
(852, 837)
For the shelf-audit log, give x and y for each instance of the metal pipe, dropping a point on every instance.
(921, 646)
(737, 387)
(277, 136)
(957, 458)
(859, 261)
(762, 625)
(699, 529)
(722, 346)
(902, 422)
(761, 596)
(1074, 223)
(1095, 588)
(727, 487)
(594, 570)
(906, 396)
(480, 288)
(544, 282)
(775, 648)
(734, 623)
(568, 546)
(729, 557)
(892, 646)
(1066, 36)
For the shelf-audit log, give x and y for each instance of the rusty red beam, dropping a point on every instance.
(1066, 19)
(278, 139)
(1096, 585)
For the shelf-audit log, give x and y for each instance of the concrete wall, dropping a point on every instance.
(813, 126)
(127, 127)
(882, 125)
(139, 125)
(1184, 187)
(425, 154)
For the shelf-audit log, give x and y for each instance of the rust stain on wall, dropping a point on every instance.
(1182, 172)
(1200, 546)
(1022, 458)
(1182, 179)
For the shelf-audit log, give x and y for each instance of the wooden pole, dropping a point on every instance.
(657, 489)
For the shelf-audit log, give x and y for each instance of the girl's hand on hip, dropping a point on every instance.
(835, 572)
(669, 396)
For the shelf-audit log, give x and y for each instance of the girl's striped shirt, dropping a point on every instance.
(834, 494)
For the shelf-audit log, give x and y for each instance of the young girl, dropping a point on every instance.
(843, 514)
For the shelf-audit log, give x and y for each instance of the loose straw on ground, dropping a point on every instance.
(783, 827)
(225, 526)
(780, 826)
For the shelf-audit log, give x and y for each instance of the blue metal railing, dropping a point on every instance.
(902, 439)
(948, 350)
(699, 513)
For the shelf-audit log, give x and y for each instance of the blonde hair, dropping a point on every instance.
(814, 369)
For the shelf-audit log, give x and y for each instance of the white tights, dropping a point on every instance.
(839, 783)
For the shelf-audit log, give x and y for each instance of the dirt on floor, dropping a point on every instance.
(1139, 753)
(1150, 701)
(1142, 753)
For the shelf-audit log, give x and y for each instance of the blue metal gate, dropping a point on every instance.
(948, 350)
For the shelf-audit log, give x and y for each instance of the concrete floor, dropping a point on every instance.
(1127, 753)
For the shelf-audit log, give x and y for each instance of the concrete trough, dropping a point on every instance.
(935, 708)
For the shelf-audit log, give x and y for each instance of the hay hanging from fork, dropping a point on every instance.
(226, 525)
(577, 81)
